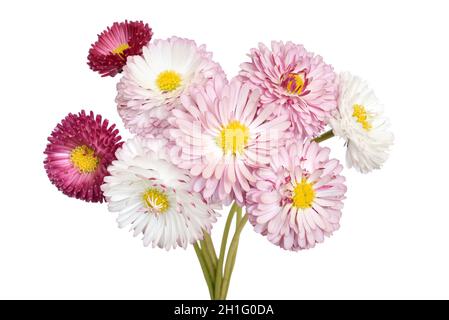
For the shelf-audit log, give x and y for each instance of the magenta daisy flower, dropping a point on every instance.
(297, 201)
(221, 139)
(108, 55)
(297, 81)
(79, 152)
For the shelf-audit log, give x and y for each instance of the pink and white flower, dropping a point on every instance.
(297, 201)
(153, 83)
(154, 198)
(297, 81)
(221, 139)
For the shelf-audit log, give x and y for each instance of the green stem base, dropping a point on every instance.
(218, 278)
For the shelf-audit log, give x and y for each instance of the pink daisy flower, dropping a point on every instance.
(80, 149)
(153, 83)
(221, 139)
(297, 201)
(108, 55)
(297, 81)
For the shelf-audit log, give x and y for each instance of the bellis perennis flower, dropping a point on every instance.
(298, 82)
(108, 55)
(152, 84)
(360, 122)
(221, 138)
(297, 201)
(80, 149)
(154, 197)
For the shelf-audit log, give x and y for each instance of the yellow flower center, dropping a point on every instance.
(233, 138)
(120, 49)
(168, 80)
(293, 83)
(156, 200)
(84, 159)
(303, 194)
(361, 115)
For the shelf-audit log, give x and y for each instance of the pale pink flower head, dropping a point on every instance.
(153, 83)
(221, 139)
(297, 81)
(297, 200)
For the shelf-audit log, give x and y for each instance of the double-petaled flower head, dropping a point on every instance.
(154, 197)
(153, 83)
(298, 82)
(108, 55)
(360, 122)
(297, 200)
(221, 138)
(79, 151)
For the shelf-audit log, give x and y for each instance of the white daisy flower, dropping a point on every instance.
(153, 196)
(153, 83)
(360, 122)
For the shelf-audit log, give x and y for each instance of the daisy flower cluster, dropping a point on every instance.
(203, 141)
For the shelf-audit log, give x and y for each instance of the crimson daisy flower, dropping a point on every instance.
(79, 152)
(108, 55)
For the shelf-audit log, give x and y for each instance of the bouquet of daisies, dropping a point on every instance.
(203, 142)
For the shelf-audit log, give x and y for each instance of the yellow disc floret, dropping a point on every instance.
(303, 194)
(120, 49)
(233, 138)
(293, 83)
(156, 200)
(84, 159)
(168, 80)
(361, 115)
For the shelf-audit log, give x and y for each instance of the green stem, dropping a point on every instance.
(234, 258)
(327, 135)
(207, 260)
(209, 247)
(206, 274)
(224, 241)
(239, 217)
(230, 260)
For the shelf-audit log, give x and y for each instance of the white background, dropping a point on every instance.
(394, 238)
